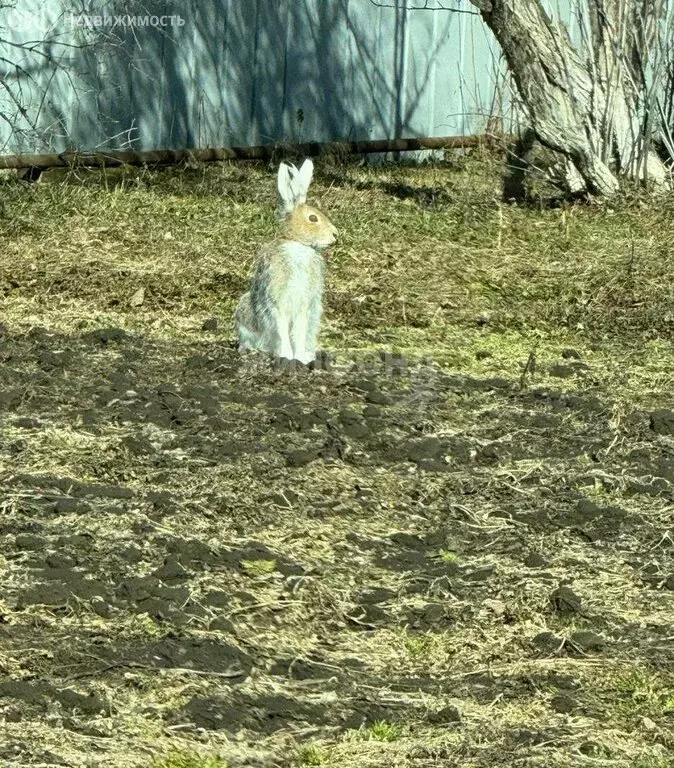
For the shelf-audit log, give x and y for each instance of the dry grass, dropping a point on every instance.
(429, 260)
(450, 664)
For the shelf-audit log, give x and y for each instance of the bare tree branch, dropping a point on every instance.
(29, 69)
(428, 5)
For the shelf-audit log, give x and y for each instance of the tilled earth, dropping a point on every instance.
(376, 561)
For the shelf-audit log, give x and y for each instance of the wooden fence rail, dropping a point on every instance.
(158, 157)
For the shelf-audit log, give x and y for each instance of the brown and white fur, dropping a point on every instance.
(281, 313)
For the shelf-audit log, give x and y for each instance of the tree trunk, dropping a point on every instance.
(622, 34)
(592, 106)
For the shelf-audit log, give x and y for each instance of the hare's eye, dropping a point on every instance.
(313, 218)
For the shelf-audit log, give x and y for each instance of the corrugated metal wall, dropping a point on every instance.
(241, 72)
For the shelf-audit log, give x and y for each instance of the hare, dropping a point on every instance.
(281, 313)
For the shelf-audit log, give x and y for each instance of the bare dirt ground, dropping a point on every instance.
(451, 543)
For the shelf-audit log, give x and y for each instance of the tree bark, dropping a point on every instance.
(588, 105)
(623, 33)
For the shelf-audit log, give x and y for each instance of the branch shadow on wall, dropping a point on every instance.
(232, 74)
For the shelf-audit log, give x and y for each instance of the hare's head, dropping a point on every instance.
(303, 223)
(307, 225)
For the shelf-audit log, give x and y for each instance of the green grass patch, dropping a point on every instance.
(179, 759)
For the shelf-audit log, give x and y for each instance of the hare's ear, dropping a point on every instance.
(303, 180)
(287, 197)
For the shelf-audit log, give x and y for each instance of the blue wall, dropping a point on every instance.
(239, 71)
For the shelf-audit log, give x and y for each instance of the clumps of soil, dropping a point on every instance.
(246, 549)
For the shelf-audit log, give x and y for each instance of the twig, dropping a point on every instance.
(426, 7)
(530, 366)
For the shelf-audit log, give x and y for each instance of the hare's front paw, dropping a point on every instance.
(284, 352)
